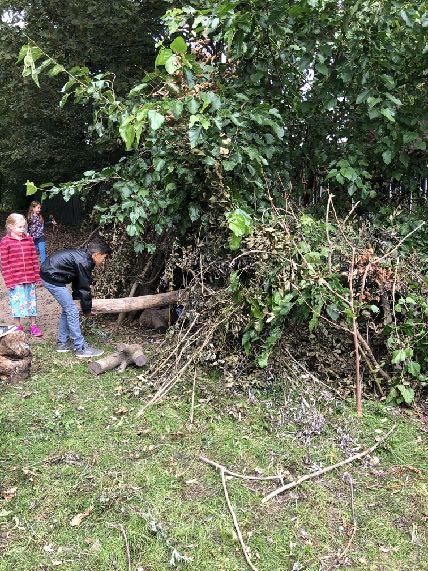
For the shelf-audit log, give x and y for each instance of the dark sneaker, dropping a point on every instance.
(87, 352)
(6, 329)
(64, 347)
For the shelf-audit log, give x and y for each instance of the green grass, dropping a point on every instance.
(71, 441)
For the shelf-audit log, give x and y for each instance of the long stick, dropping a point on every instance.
(327, 469)
(121, 315)
(236, 475)
(235, 522)
(120, 527)
(358, 387)
(192, 405)
(400, 242)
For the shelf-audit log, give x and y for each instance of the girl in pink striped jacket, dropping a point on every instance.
(20, 270)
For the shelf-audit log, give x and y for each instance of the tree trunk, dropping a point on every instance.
(132, 303)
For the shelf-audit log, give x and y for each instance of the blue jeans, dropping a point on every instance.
(69, 322)
(41, 248)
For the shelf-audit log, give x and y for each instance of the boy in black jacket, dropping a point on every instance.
(73, 266)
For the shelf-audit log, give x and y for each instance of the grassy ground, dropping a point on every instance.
(71, 443)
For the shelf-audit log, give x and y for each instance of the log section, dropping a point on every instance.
(134, 303)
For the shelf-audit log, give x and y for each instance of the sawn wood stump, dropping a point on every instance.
(15, 357)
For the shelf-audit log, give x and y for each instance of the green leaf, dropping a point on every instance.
(263, 359)
(156, 119)
(394, 99)
(407, 393)
(57, 68)
(387, 157)
(195, 136)
(388, 113)
(163, 56)
(409, 136)
(179, 46)
(239, 222)
(406, 18)
(127, 132)
(194, 212)
(192, 106)
(31, 188)
(172, 64)
(23, 52)
(398, 356)
(413, 368)
(322, 69)
(176, 108)
(421, 145)
(332, 312)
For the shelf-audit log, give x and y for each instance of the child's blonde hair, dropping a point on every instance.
(13, 220)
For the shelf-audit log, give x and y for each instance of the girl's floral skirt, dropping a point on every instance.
(22, 299)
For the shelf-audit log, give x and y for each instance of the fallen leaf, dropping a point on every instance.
(8, 494)
(96, 546)
(121, 410)
(78, 518)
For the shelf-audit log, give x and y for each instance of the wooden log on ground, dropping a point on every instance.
(13, 370)
(134, 352)
(15, 345)
(126, 304)
(105, 364)
(125, 355)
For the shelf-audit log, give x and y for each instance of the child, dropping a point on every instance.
(73, 266)
(36, 226)
(20, 269)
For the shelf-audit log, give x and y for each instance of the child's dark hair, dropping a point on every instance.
(98, 246)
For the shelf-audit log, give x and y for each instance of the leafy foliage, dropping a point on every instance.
(40, 141)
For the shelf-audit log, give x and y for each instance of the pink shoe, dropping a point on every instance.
(19, 328)
(35, 331)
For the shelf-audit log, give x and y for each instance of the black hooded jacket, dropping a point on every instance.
(71, 266)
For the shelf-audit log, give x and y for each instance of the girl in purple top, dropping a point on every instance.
(36, 228)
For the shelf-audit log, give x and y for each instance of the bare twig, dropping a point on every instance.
(342, 554)
(358, 387)
(330, 198)
(192, 406)
(120, 527)
(400, 242)
(122, 315)
(235, 521)
(312, 475)
(239, 476)
(350, 213)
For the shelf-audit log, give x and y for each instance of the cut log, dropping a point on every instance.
(134, 352)
(13, 370)
(125, 355)
(106, 364)
(15, 345)
(134, 303)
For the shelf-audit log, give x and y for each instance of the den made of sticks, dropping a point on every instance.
(214, 294)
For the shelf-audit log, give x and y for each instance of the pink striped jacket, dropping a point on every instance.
(19, 261)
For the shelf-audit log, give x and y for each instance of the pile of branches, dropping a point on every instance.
(295, 279)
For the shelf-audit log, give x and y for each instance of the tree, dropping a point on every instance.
(39, 140)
